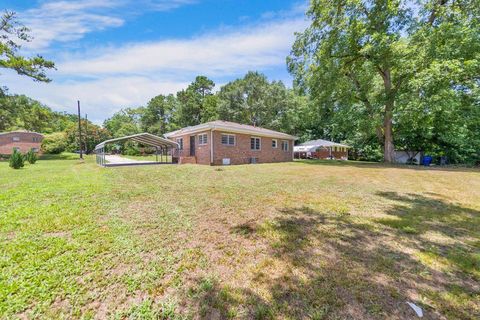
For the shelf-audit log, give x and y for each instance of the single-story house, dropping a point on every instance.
(224, 143)
(23, 141)
(321, 149)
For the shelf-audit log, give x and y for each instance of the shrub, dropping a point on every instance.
(31, 157)
(54, 143)
(16, 160)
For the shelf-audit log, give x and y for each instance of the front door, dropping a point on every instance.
(192, 146)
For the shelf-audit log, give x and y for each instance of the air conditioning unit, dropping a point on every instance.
(226, 161)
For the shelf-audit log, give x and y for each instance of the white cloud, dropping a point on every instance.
(99, 98)
(227, 51)
(67, 21)
(107, 79)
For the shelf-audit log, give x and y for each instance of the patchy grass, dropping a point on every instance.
(308, 240)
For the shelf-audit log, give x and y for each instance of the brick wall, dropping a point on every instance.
(325, 154)
(202, 152)
(240, 153)
(25, 144)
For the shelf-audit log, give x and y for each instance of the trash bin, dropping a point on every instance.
(427, 160)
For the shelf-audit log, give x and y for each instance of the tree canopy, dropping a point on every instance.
(12, 33)
(402, 70)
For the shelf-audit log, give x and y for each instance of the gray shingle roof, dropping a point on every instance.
(230, 126)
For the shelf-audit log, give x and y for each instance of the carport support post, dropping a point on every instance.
(156, 154)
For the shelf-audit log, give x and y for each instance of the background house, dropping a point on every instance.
(222, 143)
(321, 149)
(23, 141)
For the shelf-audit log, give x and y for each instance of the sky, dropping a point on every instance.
(113, 54)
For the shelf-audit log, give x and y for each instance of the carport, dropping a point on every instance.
(165, 151)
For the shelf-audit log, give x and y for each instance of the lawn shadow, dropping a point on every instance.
(62, 156)
(381, 165)
(322, 265)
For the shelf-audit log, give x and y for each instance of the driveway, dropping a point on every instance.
(116, 159)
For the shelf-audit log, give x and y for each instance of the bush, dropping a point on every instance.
(54, 143)
(16, 160)
(31, 157)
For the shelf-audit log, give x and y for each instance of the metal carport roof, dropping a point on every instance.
(144, 138)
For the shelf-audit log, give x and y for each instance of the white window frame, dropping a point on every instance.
(16, 139)
(276, 143)
(228, 139)
(255, 144)
(285, 143)
(180, 143)
(204, 142)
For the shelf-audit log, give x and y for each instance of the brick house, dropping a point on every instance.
(222, 143)
(23, 141)
(321, 149)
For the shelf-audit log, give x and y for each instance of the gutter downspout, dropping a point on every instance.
(211, 147)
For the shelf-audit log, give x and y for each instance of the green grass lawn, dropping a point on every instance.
(301, 240)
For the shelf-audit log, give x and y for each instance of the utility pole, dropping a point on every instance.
(86, 133)
(80, 130)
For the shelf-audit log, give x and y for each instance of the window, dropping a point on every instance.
(228, 139)
(35, 139)
(274, 143)
(180, 143)
(284, 145)
(202, 138)
(15, 138)
(35, 149)
(254, 143)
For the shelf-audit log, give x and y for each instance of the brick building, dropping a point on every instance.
(222, 143)
(23, 141)
(321, 149)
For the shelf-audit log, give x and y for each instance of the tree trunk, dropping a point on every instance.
(388, 147)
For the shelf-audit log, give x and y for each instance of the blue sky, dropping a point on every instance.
(112, 54)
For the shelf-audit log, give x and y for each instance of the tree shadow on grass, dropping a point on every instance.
(322, 265)
(62, 156)
(380, 165)
(441, 230)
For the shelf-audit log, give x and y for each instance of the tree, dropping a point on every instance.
(11, 33)
(95, 134)
(158, 114)
(124, 122)
(16, 160)
(54, 143)
(191, 109)
(255, 101)
(31, 157)
(366, 56)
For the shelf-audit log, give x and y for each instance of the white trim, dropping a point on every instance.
(211, 147)
(180, 145)
(260, 143)
(202, 134)
(228, 134)
(276, 143)
(288, 146)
